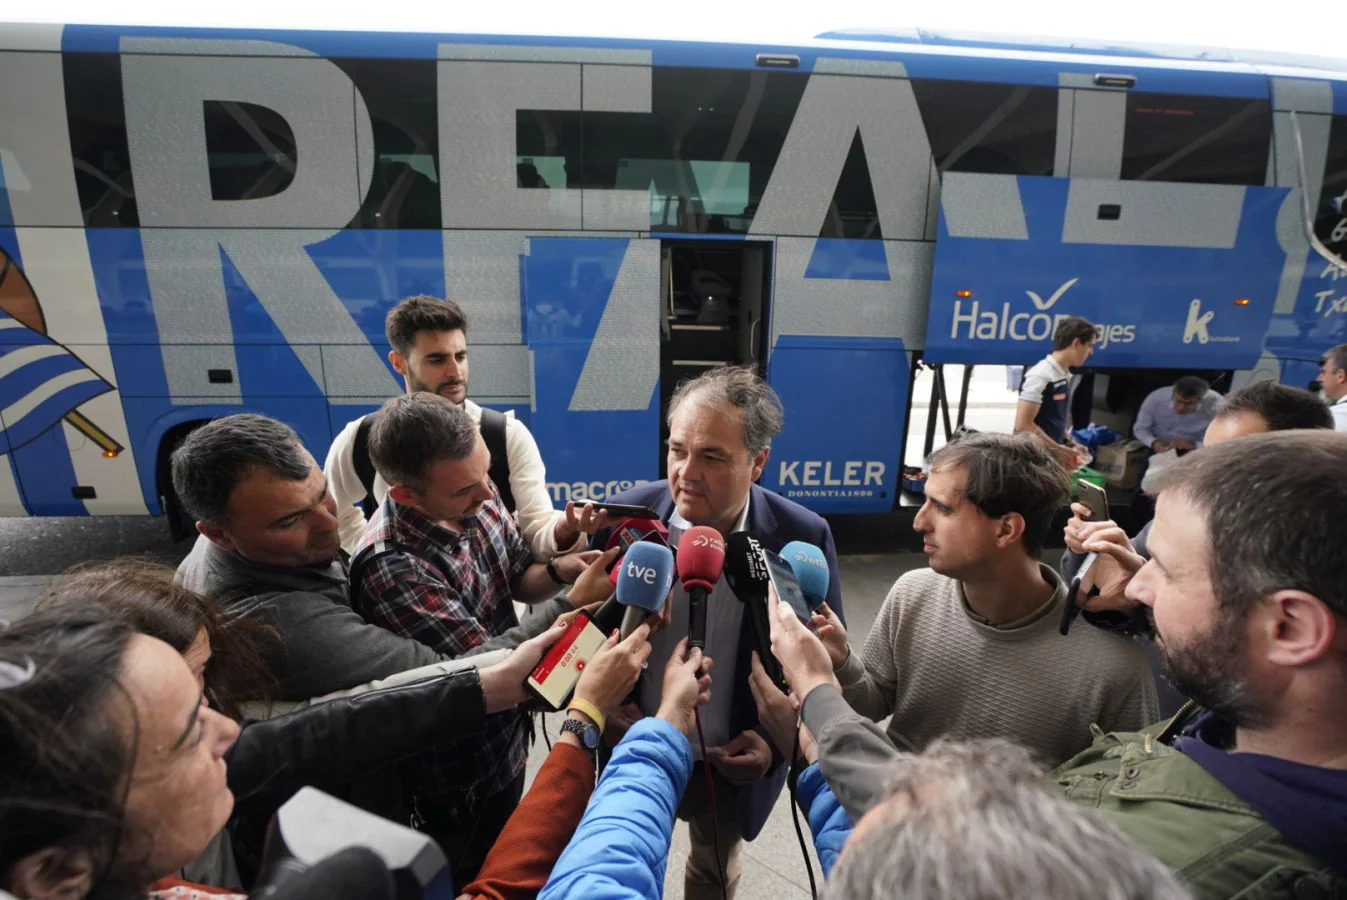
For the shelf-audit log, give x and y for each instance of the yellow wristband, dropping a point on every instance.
(588, 709)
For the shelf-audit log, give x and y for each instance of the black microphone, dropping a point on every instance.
(312, 829)
(701, 559)
(746, 574)
(355, 873)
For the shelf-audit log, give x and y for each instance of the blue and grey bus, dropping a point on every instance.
(195, 222)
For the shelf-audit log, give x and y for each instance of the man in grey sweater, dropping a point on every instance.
(969, 648)
(269, 550)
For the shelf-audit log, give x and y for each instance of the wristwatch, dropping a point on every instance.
(587, 732)
(553, 574)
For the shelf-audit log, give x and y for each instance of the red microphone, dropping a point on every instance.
(633, 530)
(701, 558)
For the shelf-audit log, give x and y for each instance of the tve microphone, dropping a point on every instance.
(746, 574)
(644, 582)
(313, 828)
(811, 571)
(701, 559)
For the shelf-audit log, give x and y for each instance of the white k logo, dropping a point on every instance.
(1042, 304)
(1197, 323)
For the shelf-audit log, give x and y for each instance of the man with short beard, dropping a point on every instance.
(1244, 792)
(428, 338)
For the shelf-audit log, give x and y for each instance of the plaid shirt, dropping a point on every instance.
(451, 591)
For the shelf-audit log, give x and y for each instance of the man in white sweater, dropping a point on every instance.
(429, 341)
(970, 648)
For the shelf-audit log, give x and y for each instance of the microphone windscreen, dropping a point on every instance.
(811, 570)
(701, 557)
(628, 532)
(745, 568)
(646, 576)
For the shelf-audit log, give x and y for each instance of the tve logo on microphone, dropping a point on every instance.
(646, 574)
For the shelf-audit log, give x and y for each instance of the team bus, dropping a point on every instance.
(195, 222)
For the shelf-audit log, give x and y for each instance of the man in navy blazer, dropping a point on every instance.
(721, 425)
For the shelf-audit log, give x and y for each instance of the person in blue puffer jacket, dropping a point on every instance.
(621, 848)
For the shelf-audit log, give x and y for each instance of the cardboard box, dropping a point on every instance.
(1121, 463)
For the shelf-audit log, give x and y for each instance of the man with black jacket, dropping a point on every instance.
(269, 550)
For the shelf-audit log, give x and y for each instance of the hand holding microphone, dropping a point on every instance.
(592, 585)
(612, 672)
(687, 685)
(701, 559)
(643, 584)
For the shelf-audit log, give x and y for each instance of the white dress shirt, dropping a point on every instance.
(528, 481)
(724, 617)
(1339, 410)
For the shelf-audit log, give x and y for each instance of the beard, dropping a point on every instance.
(1212, 669)
(418, 385)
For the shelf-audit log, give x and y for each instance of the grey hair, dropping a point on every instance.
(736, 389)
(211, 462)
(412, 431)
(979, 824)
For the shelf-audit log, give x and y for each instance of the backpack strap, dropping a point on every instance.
(493, 434)
(361, 561)
(364, 466)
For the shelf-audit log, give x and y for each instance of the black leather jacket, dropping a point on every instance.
(331, 744)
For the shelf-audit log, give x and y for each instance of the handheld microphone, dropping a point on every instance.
(644, 582)
(1071, 607)
(811, 571)
(632, 531)
(311, 831)
(746, 574)
(701, 559)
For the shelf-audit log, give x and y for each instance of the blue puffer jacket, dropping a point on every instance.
(621, 848)
(828, 822)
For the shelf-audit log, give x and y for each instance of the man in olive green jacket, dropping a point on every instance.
(1244, 793)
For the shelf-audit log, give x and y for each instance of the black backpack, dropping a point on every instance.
(493, 432)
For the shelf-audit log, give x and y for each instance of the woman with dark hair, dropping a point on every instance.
(112, 766)
(324, 746)
(224, 652)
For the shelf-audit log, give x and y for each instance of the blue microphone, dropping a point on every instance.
(645, 577)
(811, 571)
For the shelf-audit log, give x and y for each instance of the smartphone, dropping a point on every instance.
(553, 680)
(787, 587)
(652, 536)
(621, 510)
(1093, 496)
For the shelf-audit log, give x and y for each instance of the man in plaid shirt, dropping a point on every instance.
(441, 562)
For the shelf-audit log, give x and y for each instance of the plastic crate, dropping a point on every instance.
(1085, 473)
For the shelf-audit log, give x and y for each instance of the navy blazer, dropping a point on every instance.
(775, 521)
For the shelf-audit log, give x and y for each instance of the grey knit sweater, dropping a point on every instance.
(941, 671)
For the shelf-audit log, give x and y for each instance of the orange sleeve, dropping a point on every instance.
(523, 856)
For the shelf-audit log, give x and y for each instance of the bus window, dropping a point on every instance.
(547, 147)
(250, 150)
(400, 95)
(97, 123)
(706, 150)
(1330, 221)
(1208, 140)
(1002, 129)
